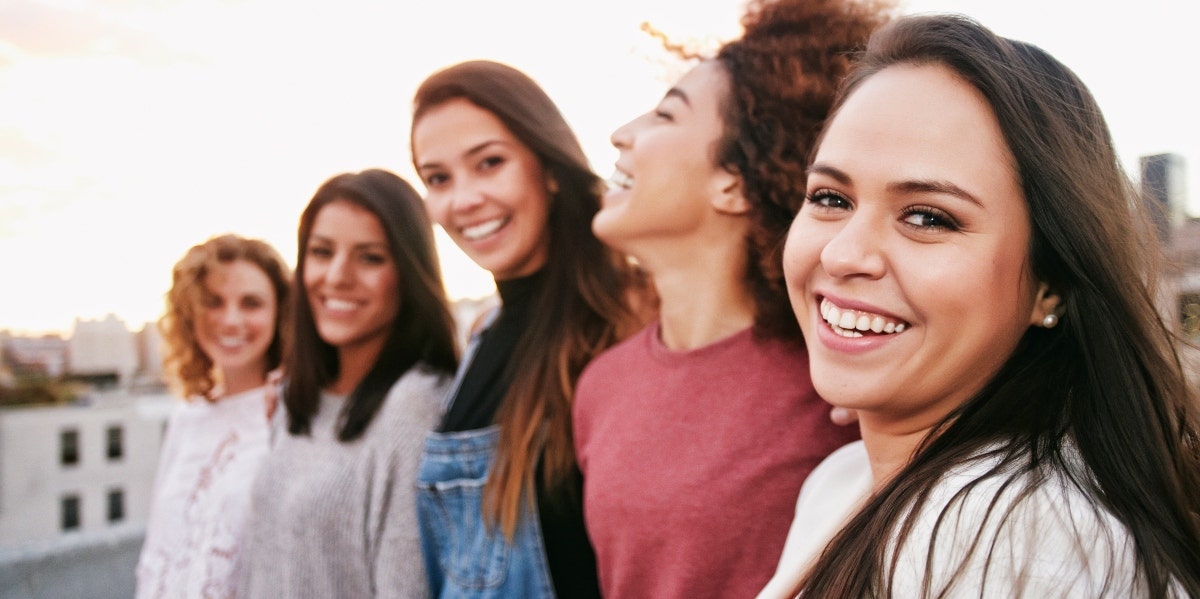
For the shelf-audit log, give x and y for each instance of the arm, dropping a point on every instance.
(408, 414)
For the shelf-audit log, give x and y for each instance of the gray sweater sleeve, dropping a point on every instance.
(408, 414)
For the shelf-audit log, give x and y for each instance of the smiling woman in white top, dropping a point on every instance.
(973, 274)
(221, 337)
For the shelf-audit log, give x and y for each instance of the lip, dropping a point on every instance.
(614, 193)
(347, 308)
(490, 237)
(850, 345)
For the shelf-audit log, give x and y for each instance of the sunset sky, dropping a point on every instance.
(133, 129)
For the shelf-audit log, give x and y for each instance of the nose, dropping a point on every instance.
(857, 249)
(231, 316)
(341, 270)
(466, 196)
(622, 137)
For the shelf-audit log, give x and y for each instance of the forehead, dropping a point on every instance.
(239, 274)
(455, 126)
(706, 85)
(347, 222)
(924, 122)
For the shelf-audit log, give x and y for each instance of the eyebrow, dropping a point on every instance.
(913, 186)
(358, 246)
(678, 93)
(471, 151)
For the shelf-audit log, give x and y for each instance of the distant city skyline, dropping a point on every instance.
(135, 129)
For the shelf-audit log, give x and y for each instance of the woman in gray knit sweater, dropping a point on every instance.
(333, 507)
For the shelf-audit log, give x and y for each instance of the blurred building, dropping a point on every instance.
(43, 355)
(1163, 188)
(101, 349)
(78, 468)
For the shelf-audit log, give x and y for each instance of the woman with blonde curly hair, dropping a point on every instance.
(695, 435)
(221, 337)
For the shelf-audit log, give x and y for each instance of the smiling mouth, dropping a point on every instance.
(620, 179)
(337, 305)
(855, 323)
(481, 230)
(231, 342)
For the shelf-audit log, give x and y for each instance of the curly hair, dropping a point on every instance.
(784, 72)
(188, 369)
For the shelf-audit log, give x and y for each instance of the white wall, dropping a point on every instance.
(33, 480)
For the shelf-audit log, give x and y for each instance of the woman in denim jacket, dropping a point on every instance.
(499, 497)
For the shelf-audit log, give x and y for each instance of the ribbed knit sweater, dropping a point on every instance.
(332, 519)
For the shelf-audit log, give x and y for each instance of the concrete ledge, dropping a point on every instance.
(94, 565)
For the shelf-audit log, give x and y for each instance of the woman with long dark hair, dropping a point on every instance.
(684, 496)
(334, 511)
(499, 487)
(975, 275)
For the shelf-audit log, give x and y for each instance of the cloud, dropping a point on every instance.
(20, 151)
(38, 30)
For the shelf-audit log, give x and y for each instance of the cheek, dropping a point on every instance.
(438, 208)
(801, 253)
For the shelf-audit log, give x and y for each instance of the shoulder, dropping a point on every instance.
(414, 400)
(844, 474)
(1017, 527)
(619, 356)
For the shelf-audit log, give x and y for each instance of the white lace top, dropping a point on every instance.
(201, 498)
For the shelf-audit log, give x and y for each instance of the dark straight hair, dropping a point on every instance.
(1105, 387)
(582, 308)
(423, 331)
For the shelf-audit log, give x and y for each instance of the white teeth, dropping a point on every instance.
(847, 320)
(852, 323)
(337, 304)
(231, 342)
(621, 179)
(477, 232)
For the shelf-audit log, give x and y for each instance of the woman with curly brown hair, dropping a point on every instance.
(682, 497)
(221, 336)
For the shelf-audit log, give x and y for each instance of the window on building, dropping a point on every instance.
(116, 505)
(1189, 312)
(70, 512)
(116, 442)
(68, 441)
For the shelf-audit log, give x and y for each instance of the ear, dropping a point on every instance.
(551, 184)
(729, 198)
(1047, 303)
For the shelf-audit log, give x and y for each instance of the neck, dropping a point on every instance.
(237, 380)
(703, 295)
(890, 448)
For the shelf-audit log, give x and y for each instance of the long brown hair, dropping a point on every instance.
(189, 369)
(1105, 387)
(423, 330)
(582, 307)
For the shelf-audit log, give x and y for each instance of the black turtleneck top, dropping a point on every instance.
(569, 554)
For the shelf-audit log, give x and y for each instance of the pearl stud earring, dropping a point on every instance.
(1050, 320)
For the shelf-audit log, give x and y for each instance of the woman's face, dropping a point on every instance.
(235, 319)
(666, 176)
(485, 188)
(908, 264)
(350, 277)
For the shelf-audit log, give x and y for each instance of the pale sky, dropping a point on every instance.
(131, 130)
